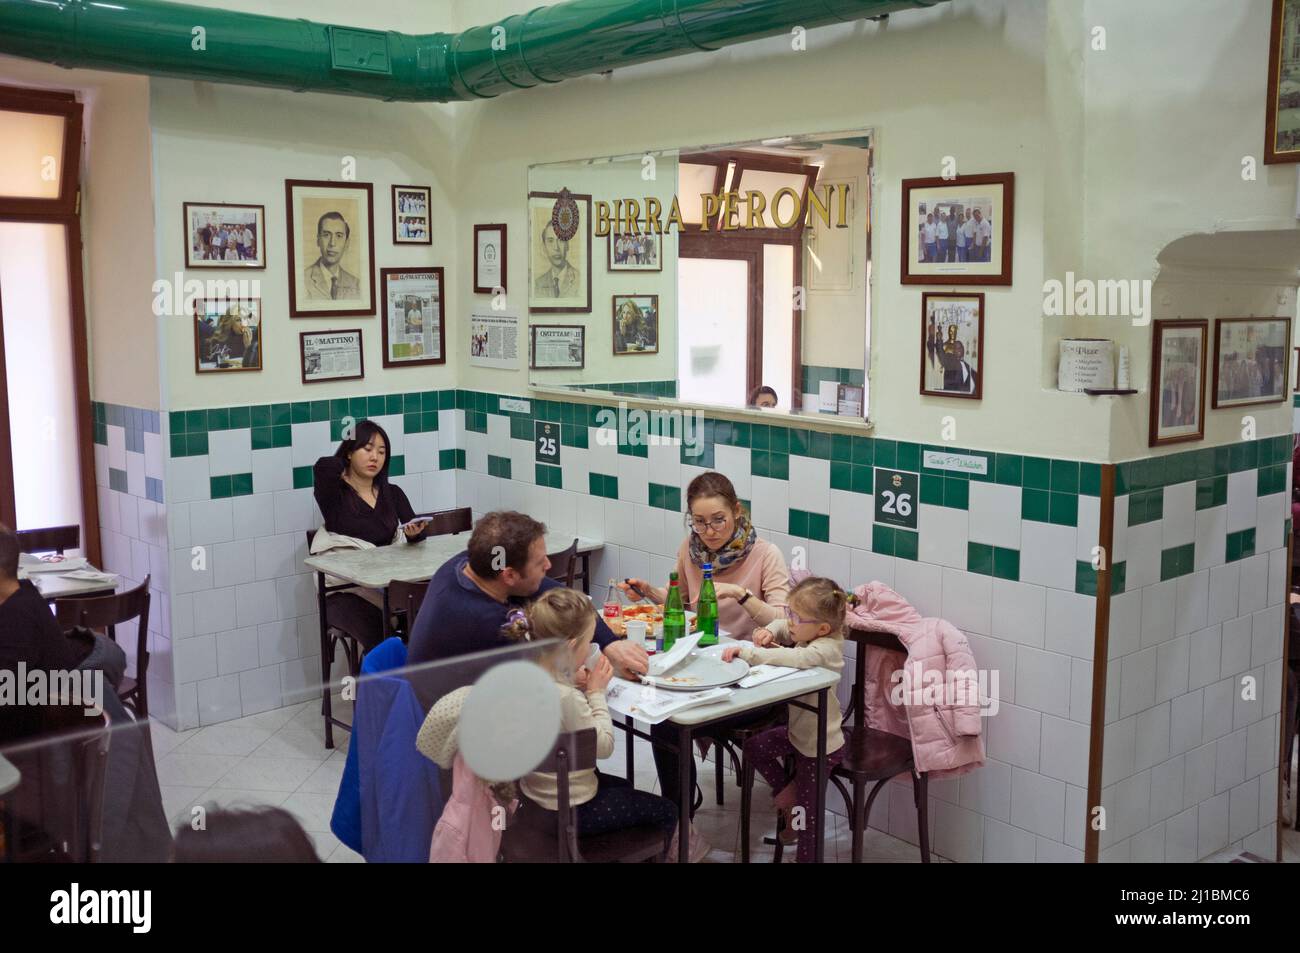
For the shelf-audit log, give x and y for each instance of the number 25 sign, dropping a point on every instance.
(896, 497)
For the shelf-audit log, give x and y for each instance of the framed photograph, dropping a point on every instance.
(218, 235)
(952, 345)
(489, 259)
(1295, 369)
(642, 252)
(958, 231)
(411, 215)
(554, 346)
(1178, 381)
(227, 335)
(1282, 115)
(331, 248)
(331, 356)
(414, 329)
(559, 252)
(636, 324)
(1250, 361)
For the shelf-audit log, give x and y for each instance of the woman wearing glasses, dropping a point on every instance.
(749, 574)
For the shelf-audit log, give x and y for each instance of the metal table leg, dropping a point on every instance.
(326, 705)
(630, 739)
(820, 848)
(684, 762)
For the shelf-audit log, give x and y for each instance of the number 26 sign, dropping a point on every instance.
(896, 497)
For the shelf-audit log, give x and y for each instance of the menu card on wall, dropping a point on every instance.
(494, 340)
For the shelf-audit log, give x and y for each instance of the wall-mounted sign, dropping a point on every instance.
(959, 462)
(547, 442)
(739, 210)
(896, 492)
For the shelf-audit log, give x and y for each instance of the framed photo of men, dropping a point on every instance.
(559, 252)
(220, 235)
(1251, 361)
(1282, 115)
(1178, 352)
(331, 229)
(958, 231)
(952, 345)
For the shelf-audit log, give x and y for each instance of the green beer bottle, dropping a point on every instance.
(707, 609)
(674, 614)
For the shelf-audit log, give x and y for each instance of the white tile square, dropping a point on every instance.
(212, 610)
(921, 584)
(942, 535)
(233, 563)
(1119, 750)
(219, 699)
(1248, 710)
(255, 603)
(664, 460)
(868, 566)
(1242, 500)
(273, 469)
(1167, 788)
(275, 556)
(1236, 646)
(995, 514)
(1217, 711)
(135, 474)
(1047, 554)
(851, 519)
(968, 600)
(277, 642)
(1211, 537)
(1260, 749)
(187, 479)
(1277, 577)
(1019, 611)
(1191, 602)
(1172, 664)
(998, 658)
(1077, 815)
(1198, 781)
(295, 511)
(1185, 721)
(1054, 852)
(1180, 838)
(1038, 804)
(1206, 652)
(190, 571)
(1212, 819)
(237, 651)
(1064, 750)
(813, 478)
(1125, 624)
(1089, 524)
(259, 690)
(1132, 805)
(988, 790)
(1081, 691)
(296, 595)
(770, 503)
(211, 521)
(1225, 587)
(116, 446)
(1271, 513)
(1143, 557)
(1243, 809)
(1266, 636)
(1151, 734)
(648, 530)
(618, 523)
(1137, 673)
(633, 479)
(1071, 623)
(421, 455)
(230, 451)
(1014, 736)
(1119, 532)
(195, 659)
(829, 559)
(451, 429)
(440, 489)
(1159, 605)
(1179, 515)
(1004, 844)
(958, 834)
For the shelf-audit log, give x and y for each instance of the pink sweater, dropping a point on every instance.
(762, 572)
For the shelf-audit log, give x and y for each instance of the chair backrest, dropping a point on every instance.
(573, 751)
(864, 639)
(49, 539)
(408, 597)
(564, 564)
(449, 522)
(94, 612)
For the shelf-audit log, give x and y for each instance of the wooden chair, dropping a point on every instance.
(49, 539)
(94, 612)
(406, 598)
(450, 522)
(534, 835)
(336, 638)
(564, 564)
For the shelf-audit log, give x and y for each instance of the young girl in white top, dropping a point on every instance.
(814, 627)
(604, 802)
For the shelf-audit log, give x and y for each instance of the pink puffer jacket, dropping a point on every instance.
(937, 703)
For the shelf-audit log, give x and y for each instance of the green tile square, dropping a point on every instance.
(1006, 563)
(740, 434)
(428, 421)
(1009, 469)
(1155, 504)
(219, 487)
(1205, 493)
(357, 408)
(411, 423)
(1247, 542)
(672, 499)
(1037, 473)
(979, 558)
(778, 439)
(303, 477)
(1181, 467)
(175, 421)
(759, 462)
(1090, 479)
(1157, 472)
(219, 419)
(1233, 548)
(429, 400)
(1064, 509)
(241, 484)
(196, 444)
(1118, 578)
(841, 448)
(909, 456)
(778, 466)
(931, 490)
(863, 452)
(596, 484)
(863, 479)
(886, 454)
(956, 493)
(411, 403)
(196, 421)
(179, 443)
(841, 476)
(446, 459)
(819, 445)
(1137, 509)
(392, 405)
(882, 539)
(1035, 505)
(819, 527)
(1223, 460)
(1122, 476)
(320, 411)
(1205, 463)
(281, 415)
(1085, 578)
(800, 441)
(397, 465)
(300, 412)
(760, 436)
(260, 415)
(101, 433)
(798, 523)
(263, 438)
(654, 494)
(282, 436)
(906, 544)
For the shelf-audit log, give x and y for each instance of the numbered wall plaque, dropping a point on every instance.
(547, 442)
(896, 492)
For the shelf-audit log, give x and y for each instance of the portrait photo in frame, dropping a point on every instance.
(1250, 361)
(636, 324)
(952, 345)
(489, 258)
(331, 242)
(227, 335)
(1282, 109)
(958, 231)
(1178, 358)
(411, 222)
(559, 252)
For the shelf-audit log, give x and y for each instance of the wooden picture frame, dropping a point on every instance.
(995, 192)
(482, 234)
(412, 219)
(1157, 386)
(1278, 62)
(940, 357)
(1295, 370)
(539, 214)
(302, 356)
(532, 347)
(305, 277)
(194, 226)
(432, 305)
(1239, 377)
(643, 333)
(657, 243)
(223, 338)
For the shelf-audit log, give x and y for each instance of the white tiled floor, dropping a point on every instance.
(278, 758)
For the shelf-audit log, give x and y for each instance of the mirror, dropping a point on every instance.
(732, 276)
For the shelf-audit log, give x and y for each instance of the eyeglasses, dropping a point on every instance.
(793, 616)
(699, 525)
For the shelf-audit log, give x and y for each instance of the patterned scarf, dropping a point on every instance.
(732, 551)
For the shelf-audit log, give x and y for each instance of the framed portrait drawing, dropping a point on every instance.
(641, 252)
(559, 252)
(413, 312)
(636, 324)
(1282, 112)
(952, 345)
(1178, 381)
(489, 258)
(331, 228)
(227, 335)
(331, 356)
(958, 231)
(219, 235)
(411, 225)
(1251, 361)
(557, 346)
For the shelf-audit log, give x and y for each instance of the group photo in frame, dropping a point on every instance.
(227, 335)
(643, 251)
(331, 356)
(331, 241)
(1178, 359)
(224, 235)
(1282, 109)
(414, 329)
(636, 324)
(958, 231)
(411, 224)
(557, 346)
(952, 345)
(559, 252)
(1250, 361)
(489, 258)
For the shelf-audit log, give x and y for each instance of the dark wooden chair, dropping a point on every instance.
(336, 638)
(564, 564)
(450, 522)
(405, 598)
(535, 835)
(108, 612)
(49, 539)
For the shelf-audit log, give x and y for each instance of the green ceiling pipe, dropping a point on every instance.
(546, 45)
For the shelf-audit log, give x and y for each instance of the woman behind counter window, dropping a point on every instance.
(356, 499)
